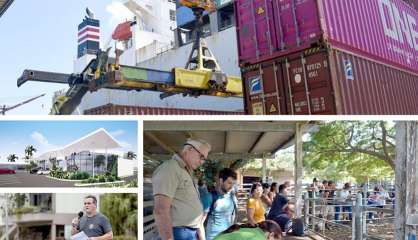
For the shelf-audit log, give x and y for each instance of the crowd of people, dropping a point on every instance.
(184, 210)
(336, 203)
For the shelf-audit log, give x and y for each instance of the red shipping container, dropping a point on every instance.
(328, 81)
(381, 30)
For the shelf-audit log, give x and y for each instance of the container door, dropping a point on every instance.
(274, 98)
(255, 27)
(253, 85)
(296, 22)
(265, 90)
(309, 85)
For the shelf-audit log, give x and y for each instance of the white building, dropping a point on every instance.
(94, 153)
(158, 43)
(46, 216)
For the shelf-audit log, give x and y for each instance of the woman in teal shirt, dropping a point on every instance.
(266, 230)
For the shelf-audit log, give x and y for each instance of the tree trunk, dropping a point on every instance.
(405, 176)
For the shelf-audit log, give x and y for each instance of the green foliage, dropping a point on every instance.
(12, 158)
(19, 199)
(101, 178)
(358, 149)
(23, 210)
(122, 212)
(79, 175)
(208, 172)
(90, 180)
(112, 164)
(132, 184)
(29, 150)
(59, 173)
(124, 238)
(31, 165)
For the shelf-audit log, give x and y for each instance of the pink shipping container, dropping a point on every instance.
(384, 31)
(112, 109)
(412, 3)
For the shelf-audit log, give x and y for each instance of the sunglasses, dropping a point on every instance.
(201, 156)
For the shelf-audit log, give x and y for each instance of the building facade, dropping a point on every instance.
(39, 216)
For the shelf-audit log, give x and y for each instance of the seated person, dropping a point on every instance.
(269, 230)
(281, 211)
(255, 208)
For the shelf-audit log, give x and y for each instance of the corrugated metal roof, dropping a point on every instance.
(4, 4)
(230, 140)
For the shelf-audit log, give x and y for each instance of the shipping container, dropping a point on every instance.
(112, 109)
(328, 81)
(381, 30)
(412, 3)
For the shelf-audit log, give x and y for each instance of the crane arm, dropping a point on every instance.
(42, 76)
(22, 103)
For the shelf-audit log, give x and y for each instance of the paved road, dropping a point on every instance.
(24, 179)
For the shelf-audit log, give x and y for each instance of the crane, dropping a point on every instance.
(201, 76)
(5, 108)
(206, 5)
(202, 65)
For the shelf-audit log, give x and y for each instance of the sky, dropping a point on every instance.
(42, 35)
(50, 135)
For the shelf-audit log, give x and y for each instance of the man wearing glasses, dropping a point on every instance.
(178, 210)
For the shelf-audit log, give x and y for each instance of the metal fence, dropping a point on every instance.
(355, 218)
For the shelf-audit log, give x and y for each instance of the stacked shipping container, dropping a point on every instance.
(328, 57)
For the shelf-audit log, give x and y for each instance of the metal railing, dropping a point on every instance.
(353, 219)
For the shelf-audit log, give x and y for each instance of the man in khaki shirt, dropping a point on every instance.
(178, 210)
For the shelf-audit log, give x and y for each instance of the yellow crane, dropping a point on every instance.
(202, 68)
(202, 74)
(207, 5)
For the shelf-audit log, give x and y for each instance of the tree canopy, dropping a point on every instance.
(12, 158)
(29, 150)
(364, 150)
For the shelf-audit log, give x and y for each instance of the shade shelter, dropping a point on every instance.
(231, 141)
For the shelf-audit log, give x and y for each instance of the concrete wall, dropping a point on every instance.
(71, 202)
(126, 167)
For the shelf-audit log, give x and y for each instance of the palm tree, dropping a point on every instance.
(29, 150)
(122, 211)
(131, 155)
(12, 158)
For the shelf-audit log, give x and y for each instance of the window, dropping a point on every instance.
(172, 15)
(226, 17)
